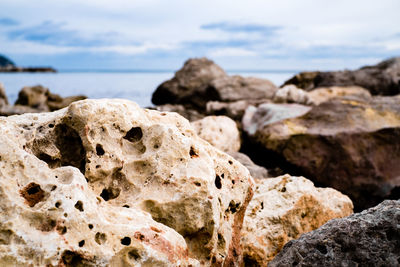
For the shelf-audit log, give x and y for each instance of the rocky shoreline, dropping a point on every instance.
(249, 173)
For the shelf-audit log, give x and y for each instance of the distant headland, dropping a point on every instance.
(6, 65)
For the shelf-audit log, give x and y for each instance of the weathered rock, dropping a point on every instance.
(3, 96)
(190, 84)
(40, 98)
(369, 238)
(219, 131)
(257, 172)
(282, 209)
(268, 113)
(235, 88)
(201, 80)
(234, 110)
(380, 79)
(187, 113)
(325, 94)
(292, 94)
(8, 110)
(352, 146)
(52, 217)
(153, 161)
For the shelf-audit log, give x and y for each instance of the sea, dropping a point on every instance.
(135, 85)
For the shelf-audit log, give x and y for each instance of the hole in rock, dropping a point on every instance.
(72, 259)
(100, 238)
(70, 146)
(193, 153)
(32, 194)
(47, 225)
(51, 125)
(99, 150)
(126, 241)
(233, 207)
(81, 243)
(79, 205)
(61, 229)
(125, 206)
(134, 254)
(322, 248)
(197, 184)
(58, 204)
(283, 190)
(218, 183)
(134, 135)
(90, 226)
(110, 193)
(230, 162)
(54, 187)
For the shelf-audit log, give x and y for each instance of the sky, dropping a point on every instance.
(161, 35)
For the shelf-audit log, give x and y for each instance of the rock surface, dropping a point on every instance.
(201, 80)
(325, 94)
(291, 94)
(257, 172)
(369, 238)
(41, 98)
(282, 209)
(219, 131)
(187, 113)
(52, 217)
(352, 146)
(380, 79)
(142, 159)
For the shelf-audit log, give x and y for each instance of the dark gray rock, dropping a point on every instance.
(380, 79)
(257, 172)
(369, 238)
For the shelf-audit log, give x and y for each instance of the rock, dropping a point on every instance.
(201, 80)
(3, 96)
(187, 113)
(380, 79)
(325, 94)
(147, 160)
(40, 98)
(52, 217)
(234, 110)
(8, 110)
(352, 146)
(369, 238)
(284, 208)
(190, 84)
(219, 131)
(292, 94)
(257, 172)
(268, 113)
(235, 88)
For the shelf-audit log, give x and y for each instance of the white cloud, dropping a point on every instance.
(232, 52)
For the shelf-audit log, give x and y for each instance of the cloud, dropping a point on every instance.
(242, 28)
(56, 33)
(232, 52)
(8, 22)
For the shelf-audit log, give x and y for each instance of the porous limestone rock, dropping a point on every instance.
(369, 238)
(219, 131)
(325, 94)
(291, 94)
(50, 216)
(282, 209)
(148, 160)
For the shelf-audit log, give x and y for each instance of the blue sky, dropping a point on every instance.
(239, 35)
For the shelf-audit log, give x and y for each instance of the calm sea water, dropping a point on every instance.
(136, 86)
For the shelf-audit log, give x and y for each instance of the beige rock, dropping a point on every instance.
(292, 94)
(282, 209)
(324, 94)
(148, 160)
(219, 131)
(52, 217)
